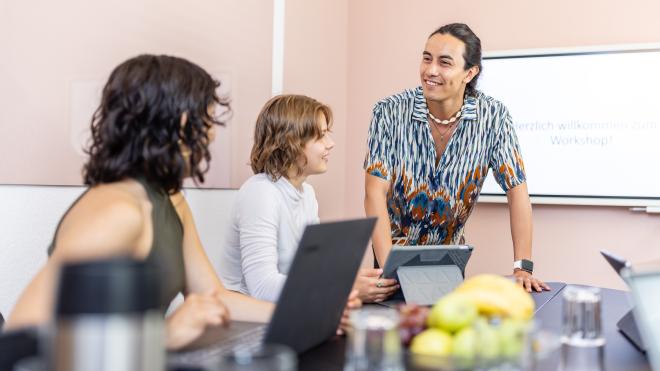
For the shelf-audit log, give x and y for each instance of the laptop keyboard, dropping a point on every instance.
(246, 341)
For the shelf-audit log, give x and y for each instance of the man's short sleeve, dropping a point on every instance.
(506, 160)
(378, 161)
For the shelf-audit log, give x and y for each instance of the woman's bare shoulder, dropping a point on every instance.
(181, 206)
(108, 220)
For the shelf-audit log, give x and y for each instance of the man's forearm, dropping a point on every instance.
(375, 205)
(520, 214)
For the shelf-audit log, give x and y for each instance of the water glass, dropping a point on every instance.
(374, 342)
(267, 357)
(583, 343)
(31, 364)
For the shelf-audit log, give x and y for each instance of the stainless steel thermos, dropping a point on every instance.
(108, 318)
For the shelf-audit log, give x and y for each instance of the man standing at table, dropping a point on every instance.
(430, 149)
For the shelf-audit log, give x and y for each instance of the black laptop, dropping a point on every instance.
(626, 325)
(312, 300)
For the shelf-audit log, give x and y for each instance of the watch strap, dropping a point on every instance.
(524, 264)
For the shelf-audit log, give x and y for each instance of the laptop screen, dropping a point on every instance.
(644, 287)
(616, 262)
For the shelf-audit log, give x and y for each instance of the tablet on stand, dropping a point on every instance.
(427, 272)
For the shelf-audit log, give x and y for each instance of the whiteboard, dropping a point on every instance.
(588, 122)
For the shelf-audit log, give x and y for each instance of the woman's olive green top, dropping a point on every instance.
(166, 252)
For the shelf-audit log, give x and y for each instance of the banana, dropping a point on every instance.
(488, 302)
(498, 296)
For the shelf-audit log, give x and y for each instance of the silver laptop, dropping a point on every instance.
(626, 324)
(644, 287)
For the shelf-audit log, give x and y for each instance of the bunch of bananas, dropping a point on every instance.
(498, 296)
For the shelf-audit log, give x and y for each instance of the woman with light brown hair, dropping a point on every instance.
(291, 142)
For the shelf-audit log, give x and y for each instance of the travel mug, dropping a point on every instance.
(108, 318)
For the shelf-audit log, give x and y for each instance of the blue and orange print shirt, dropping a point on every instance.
(429, 203)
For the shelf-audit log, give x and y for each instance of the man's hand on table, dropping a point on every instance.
(529, 282)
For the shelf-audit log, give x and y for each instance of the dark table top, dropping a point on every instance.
(619, 353)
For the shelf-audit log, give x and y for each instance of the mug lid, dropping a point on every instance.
(118, 285)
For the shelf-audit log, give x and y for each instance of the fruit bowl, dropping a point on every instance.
(486, 323)
(425, 362)
(537, 345)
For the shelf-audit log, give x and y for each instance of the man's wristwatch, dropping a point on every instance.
(524, 264)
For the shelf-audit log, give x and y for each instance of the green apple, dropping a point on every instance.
(488, 340)
(512, 337)
(465, 344)
(452, 313)
(432, 342)
(464, 348)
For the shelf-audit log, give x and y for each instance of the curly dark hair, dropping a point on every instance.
(137, 129)
(285, 124)
(472, 54)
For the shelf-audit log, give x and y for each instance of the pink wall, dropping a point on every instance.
(48, 50)
(348, 54)
(315, 60)
(385, 42)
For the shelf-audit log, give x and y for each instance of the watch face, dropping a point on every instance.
(527, 265)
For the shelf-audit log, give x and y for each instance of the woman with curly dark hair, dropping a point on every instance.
(150, 132)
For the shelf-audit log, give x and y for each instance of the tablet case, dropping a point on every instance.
(426, 273)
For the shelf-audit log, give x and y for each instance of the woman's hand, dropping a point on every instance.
(528, 282)
(353, 303)
(189, 321)
(373, 289)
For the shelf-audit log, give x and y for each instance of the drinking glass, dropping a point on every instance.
(583, 343)
(267, 357)
(374, 342)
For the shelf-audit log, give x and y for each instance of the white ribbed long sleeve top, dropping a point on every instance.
(266, 226)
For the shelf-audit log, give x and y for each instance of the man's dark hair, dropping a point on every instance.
(472, 55)
(137, 132)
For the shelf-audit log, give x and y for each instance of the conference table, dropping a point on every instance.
(620, 354)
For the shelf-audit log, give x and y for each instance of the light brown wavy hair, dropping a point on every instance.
(285, 124)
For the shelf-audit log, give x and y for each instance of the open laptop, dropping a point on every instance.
(626, 325)
(644, 286)
(312, 300)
